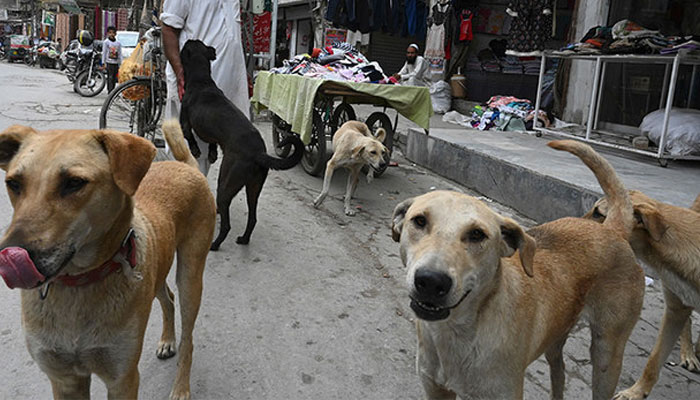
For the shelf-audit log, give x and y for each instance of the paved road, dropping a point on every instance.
(313, 308)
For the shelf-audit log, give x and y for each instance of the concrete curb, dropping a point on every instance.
(537, 196)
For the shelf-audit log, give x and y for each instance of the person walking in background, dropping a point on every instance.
(415, 70)
(111, 57)
(217, 24)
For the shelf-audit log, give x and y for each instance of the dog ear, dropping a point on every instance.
(129, 158)
(398, 217)
(10, 141)
(357, 151)
(514, 238)
(211, 53)
(380, 134)
(651, 220)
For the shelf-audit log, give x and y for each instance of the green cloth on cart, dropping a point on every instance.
(291, 97)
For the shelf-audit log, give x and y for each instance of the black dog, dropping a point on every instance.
(207, 111)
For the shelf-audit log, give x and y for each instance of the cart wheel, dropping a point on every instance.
(280, 131)
(375, 121)
(314, 159)
(342, 114)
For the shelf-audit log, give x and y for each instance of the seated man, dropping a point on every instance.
(415, 70)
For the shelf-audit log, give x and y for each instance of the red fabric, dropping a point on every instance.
(465, 26)
(261, 32)
(98, 24)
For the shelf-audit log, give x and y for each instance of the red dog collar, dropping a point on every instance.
(127, 251)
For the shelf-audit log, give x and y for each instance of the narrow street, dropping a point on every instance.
(314, 308)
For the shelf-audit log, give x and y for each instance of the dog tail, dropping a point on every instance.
(621, 214)
(176, 141)
(275, 163)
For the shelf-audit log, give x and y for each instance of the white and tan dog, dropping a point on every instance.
(94, 232)
(491, 298)
(666, 238)
(354, 146)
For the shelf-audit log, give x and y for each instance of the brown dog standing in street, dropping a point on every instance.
(491, 298)
(354, 146)
(93, 235)
(666, 238)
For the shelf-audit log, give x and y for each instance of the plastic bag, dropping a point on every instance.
(683, 137)
(132, 67)
(441, 97)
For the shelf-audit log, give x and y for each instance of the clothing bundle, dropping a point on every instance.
(627, 37)
(500, 113)
(404, 17)
(338, 62)
(494, 59)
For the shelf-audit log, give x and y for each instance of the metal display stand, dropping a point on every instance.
(672, 63)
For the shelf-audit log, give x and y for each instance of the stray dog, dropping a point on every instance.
(207, 111)
(667, 238)
(100, 224)
(486, 312)
(354, 146)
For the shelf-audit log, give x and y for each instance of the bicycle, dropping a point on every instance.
(136, 106)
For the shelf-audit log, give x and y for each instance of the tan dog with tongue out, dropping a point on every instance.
(96, 226)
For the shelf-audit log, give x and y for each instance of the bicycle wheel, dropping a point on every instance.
(342, 114)
(378, 120)
(132, 107)
(314, 158)
(89, 86)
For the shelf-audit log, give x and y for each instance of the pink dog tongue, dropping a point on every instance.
(17, 269)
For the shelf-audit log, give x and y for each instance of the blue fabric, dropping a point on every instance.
(411, 11)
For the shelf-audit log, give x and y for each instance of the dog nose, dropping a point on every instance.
(432, 284)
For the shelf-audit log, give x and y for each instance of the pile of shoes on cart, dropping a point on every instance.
(338, 62)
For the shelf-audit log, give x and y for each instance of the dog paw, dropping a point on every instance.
(242, 240)
(165, 350)
(630, 394)
(318, 201)
(180, 395)
(690, 362)
(213, 156)
(349, 212)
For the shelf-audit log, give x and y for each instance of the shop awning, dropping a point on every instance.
(70, 6)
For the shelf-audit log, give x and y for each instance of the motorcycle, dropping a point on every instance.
(90, 80)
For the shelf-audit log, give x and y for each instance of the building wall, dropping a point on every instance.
(591, 13)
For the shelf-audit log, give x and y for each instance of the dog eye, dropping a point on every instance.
(476, 235)
(420, 221)
(373, 152)
(13, 186)
(72, 185)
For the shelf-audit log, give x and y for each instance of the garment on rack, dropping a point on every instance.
(435, 41)
(531, 26)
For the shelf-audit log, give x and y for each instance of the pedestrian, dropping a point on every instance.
(415, 70)
(111, 57)
(217, 24)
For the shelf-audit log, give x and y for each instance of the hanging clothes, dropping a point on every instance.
(435, 41)
(531, 26)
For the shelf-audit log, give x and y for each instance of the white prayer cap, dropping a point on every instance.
(415, 46)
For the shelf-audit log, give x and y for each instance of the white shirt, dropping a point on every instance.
(217, 24)
(415, 74)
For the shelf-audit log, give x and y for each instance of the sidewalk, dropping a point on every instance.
(520, 171)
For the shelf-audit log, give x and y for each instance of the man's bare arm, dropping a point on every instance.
(171, 47)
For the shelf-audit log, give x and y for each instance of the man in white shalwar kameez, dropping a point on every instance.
(415, 70)
(217, 24)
